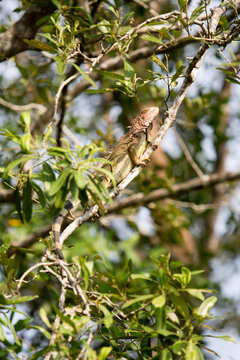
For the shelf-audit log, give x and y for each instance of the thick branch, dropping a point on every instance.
(176, 190)
(29, 241)
(11, 41)
(6, 196)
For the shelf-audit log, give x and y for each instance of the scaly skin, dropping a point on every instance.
(124, 156)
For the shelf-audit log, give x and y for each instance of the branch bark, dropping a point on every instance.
(176, 190)
(12, 40)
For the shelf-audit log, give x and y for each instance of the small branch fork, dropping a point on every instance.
(67, 281)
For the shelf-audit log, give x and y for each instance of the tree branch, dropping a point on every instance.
(176, 190)
(138, 199)
(11, 41)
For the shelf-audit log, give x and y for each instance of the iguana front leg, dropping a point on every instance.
(134, 156)
(137, 147)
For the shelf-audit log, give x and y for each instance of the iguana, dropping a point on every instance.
(124, 156)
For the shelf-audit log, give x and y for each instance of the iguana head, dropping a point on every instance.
(144, 119)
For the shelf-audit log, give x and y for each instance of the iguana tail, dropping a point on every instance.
(57, 225)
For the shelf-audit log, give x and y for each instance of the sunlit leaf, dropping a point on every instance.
(159, 301)
(137, 299)
(59, 183)
(85, 75)
(206, 306)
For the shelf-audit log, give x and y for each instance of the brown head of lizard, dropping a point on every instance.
(144, 120)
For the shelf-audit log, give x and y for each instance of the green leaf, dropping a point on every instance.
(40, 45)
(85, 75)
(21, 324)
(79, 179)
(196, 12)
(10, 326)
(74, 189)
(206, 306)
(180, 305)
(127, 16)
(2, 335)
(187, 275)
(26, 119)
(144, 276)
(44, 317)
(159, 301)
(182, 4)
(40, 194)
(60, 196)
(177, 73)
(95, 188)
(193, 352)
(173, 317)
(83, 197)
(178, 346)
(104, 26)
(17, 203)
(25, 143)
(129, 71)
(48, 173)
(38, 354)
(137, 299)
(61, 64)
(159, 62)
(100, 91)
(85, 272)
(41, 329)
(104, 352)
(152, 39)
(58, 151)
(57, 4)
(59, 183)
(223, 337)
(232, 80)
(107, 173)
(111, 75)
(160, 314)
(108, 320)
(226, 71)
(195, 293)
(166, 355)
(162, 277)
(21, 299)
(16, 162)
(27, 200)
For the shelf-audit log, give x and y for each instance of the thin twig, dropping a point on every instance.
(28, 271)
(198, 208)
(189, 158)
(20, 108)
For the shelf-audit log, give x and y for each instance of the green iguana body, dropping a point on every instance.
(124, 156)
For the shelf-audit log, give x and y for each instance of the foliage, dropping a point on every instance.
(146, 314)
(116, 295)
